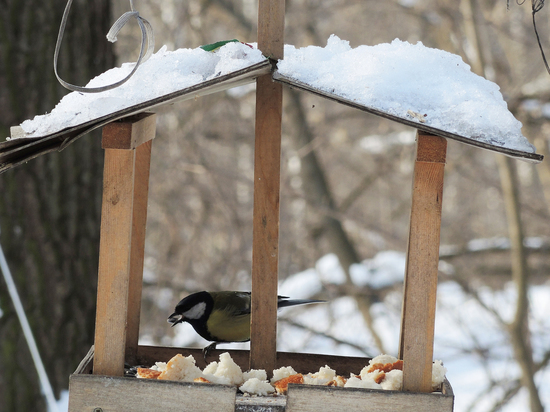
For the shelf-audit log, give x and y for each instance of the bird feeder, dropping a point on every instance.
(98, 383)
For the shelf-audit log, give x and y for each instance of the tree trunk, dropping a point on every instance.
(50, 208)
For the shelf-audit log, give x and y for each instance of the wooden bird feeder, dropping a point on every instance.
(98, 383)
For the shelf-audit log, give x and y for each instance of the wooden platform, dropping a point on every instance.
(109, 393)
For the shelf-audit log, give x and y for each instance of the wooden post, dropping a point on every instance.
(127, 147)
(419, 297)
(267, 161)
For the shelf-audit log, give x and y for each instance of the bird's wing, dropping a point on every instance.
(232, 303)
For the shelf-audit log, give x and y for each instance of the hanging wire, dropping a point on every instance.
(42, 375)
(147, 37)
(536, 6)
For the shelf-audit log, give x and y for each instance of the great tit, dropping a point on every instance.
(222, 317)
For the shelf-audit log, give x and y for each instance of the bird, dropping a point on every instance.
(222, 317)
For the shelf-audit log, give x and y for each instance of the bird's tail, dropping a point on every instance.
(283, 303)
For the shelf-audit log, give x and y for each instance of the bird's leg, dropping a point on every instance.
(207, 350)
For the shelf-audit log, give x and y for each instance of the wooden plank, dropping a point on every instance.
(420, 288)
(302, 362)
(137, 254)
(112, 394)
(306, 398)
(122, 242)
(260, 403)
(271, 28)
(114, 262)
(423, 127)
(342, 399)
(267, 165)
(130, 132)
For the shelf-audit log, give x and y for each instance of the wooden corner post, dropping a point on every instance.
(420, 288)
(127, 145)
(267, 164)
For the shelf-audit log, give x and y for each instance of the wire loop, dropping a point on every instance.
(147, 37)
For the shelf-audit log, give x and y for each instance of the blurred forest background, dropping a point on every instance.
(345, 185)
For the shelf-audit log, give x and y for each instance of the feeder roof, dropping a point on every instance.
(167, 77)
(428, 89)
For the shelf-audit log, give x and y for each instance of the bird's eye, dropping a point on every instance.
(196, 312)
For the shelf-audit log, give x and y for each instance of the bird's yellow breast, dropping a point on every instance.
(227, 327)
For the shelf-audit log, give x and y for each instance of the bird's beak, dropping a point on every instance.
(175, 318)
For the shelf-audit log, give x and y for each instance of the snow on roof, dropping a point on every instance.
(410, 81)
(164, 73)
(426, 88)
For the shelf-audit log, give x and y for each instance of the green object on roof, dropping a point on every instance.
(217, 45)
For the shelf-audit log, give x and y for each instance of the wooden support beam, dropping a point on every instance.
(267, 164)
(420, 288)
(123, 217)
(137, 254)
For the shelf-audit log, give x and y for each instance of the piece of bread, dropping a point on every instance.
(146, 373)
(281, 386)
(201, 380)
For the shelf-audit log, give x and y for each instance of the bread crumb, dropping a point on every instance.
(159, 366)
(255, 373)
(256, 386)
(224, 372)
(357, 382)
(282, 373)
(393, 380)
(181, 369)
(146, 373)
(323, 377)
(438, 374)
(201, 380)
(282, 385)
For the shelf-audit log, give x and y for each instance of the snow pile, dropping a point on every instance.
(164, 73)
(410, 81)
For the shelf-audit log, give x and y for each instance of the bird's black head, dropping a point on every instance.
(194, 308)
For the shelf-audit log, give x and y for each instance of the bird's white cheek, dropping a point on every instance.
(196, 312)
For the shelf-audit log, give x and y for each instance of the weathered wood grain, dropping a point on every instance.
(307, 398)
(121, 249)
(137, 254)
(267, 160)
(130, 132)
(114, 262)
(115, 394)
(420, 288)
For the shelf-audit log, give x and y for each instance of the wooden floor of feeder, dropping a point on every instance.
(89, 391)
